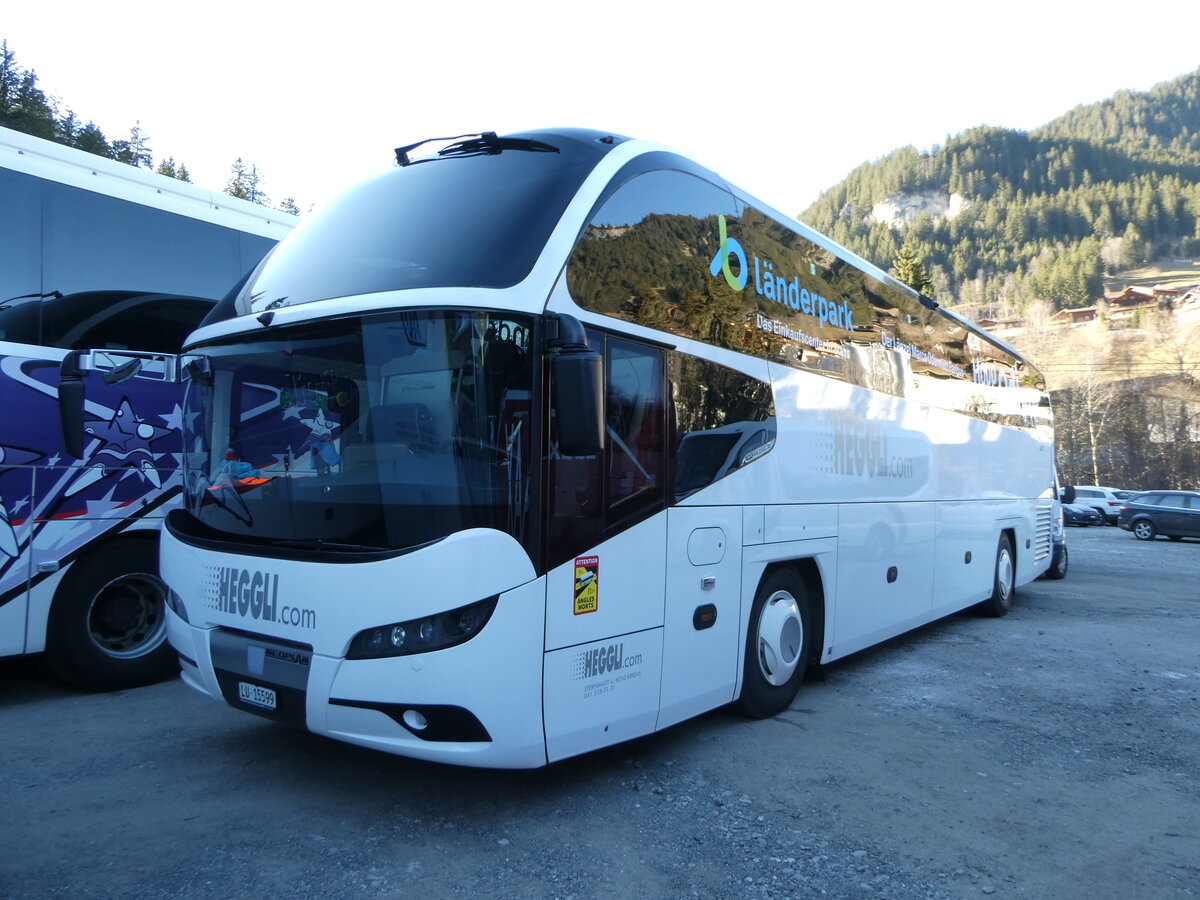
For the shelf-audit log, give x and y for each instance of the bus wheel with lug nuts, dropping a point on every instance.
(108, 627)
(1003, 580)
(777, 645)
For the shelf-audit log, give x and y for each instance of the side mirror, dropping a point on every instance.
(70, 403)
(114, 367)
(1067, 494)
(577, 376)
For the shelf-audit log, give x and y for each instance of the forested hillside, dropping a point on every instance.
(1002, 217)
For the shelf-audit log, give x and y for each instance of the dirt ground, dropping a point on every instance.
(1052, 753)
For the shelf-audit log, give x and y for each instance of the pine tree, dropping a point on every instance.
(92, 140)
(135, 151)
(23, 105)
(910, 268)
(244, 183)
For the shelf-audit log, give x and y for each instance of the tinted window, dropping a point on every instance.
(54, 237)
(636, 427)
(1150, 499)
(458, 221)
(107, 320)
(159, 325)
(1191, 501)
(680, 252)
(94, 242)
(723, 421)
(20, 235)
(715, 420)
(386, 431)
(644, 257)
(592, 497)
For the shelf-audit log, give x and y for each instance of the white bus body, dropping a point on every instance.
(396, 532)
(98, 254)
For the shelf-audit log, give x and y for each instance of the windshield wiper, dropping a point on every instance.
(487, 143)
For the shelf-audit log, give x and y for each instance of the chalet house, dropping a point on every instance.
(1143, 297)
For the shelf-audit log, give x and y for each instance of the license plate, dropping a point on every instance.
(256, 695)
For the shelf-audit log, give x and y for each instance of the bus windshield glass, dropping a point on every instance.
(460, 221)
(377, 433)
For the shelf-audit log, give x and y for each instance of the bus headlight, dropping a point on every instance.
(422, 635)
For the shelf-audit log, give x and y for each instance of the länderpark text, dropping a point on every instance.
(776, 287)
(779, 289)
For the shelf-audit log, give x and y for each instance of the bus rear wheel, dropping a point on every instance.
(1004, 580)
(777, 645)
(108, 627)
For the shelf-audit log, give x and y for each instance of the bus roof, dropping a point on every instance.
(66, 165)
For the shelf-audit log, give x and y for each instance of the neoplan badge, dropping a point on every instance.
(587, 584)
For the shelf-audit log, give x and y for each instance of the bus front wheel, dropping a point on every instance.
(777, 645)
(1058, 570)
(108, 628)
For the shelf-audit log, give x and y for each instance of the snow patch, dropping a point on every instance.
(904, 208)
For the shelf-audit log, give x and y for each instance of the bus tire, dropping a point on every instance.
(777, 645)
(1004, 579)
(108, 627)
(1058, 571)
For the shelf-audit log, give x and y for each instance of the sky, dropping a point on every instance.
(783, 99)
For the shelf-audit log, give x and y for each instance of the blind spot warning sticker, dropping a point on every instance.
(587, 584)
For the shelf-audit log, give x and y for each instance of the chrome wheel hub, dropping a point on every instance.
(780, 638)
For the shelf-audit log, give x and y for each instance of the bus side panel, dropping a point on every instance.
(41, 598)
(701, 652)
(602, 693)
(612, 589)
(13, 615)
(968, 535)
(604, 616)
(19, 458)
(885, 572)
(52, 506)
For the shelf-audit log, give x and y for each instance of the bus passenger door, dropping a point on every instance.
(606, 545)
(700, 631)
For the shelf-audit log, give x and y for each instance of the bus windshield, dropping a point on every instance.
(377, 433)
(463, 221)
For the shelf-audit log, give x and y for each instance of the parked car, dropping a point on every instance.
(1107, 500)
(1078, 514)
(1175, 514)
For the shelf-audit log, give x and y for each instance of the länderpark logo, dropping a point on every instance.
(768, 283)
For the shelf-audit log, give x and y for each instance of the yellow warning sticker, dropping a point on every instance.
(587, 584)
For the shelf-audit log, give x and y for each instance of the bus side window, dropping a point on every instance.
(636, 466)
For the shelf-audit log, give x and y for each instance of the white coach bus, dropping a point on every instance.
(547, 441)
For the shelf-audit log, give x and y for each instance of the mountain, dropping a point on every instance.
(1002, 217)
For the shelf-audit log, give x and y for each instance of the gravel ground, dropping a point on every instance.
(1050, 753)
